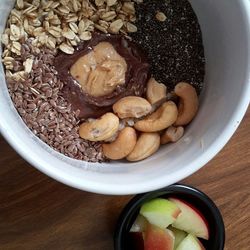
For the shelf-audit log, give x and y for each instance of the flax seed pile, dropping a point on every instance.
(37, 30)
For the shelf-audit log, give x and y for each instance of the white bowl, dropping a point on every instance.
(226, 33)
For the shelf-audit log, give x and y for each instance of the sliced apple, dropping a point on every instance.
(190, 220)
(160, 212)
(179, 236)
(190, 243)
(139, 225)
(158, 239)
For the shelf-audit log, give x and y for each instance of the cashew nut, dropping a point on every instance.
(132, 106)
(156, 91)
(188, 104)
(162, 118)
(122, 146)
(172, 134)
(100, 129)
(147, 144)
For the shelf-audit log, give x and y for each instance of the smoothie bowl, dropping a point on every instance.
(121, 97)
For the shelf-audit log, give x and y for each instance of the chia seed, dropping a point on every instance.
(174, 47)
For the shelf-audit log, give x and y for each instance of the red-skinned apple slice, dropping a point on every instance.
(160, 212)
(158, 239)
(190, 220)
(190, 243)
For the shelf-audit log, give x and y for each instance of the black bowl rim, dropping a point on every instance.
(137, 200)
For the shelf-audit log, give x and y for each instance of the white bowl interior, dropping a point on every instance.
(225, 26)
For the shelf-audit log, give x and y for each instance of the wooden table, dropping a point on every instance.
(38, 213)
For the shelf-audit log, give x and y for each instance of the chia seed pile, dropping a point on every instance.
(174, 47)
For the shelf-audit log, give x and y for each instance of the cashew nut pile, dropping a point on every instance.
(156, 120)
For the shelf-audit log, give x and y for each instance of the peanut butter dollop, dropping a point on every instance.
(115, 68)
(100, 71)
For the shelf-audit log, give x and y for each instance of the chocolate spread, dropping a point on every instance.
(136, 77)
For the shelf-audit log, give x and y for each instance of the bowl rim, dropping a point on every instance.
(137, 200)
(190, 168)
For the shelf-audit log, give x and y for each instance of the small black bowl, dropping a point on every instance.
(193, 196)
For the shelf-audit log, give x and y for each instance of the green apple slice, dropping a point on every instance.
(160, 212)
(179, 236)
(191, 242)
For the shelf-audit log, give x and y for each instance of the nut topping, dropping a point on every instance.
(132, 107)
